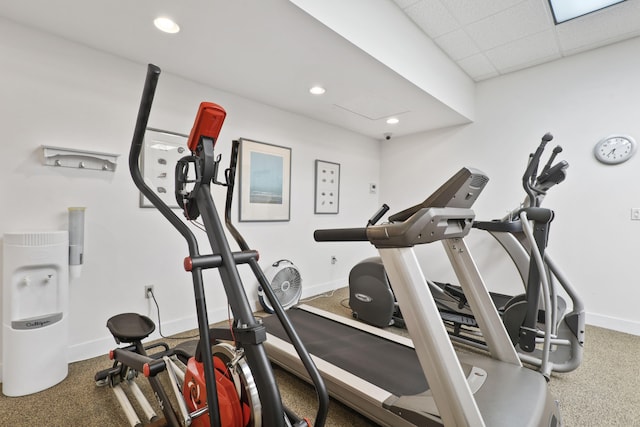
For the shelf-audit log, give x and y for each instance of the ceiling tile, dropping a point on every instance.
(525, 52)
(484, 36)
(468, 11)
(478, 67)
(519, 21)
(600, 28)
(457, 44)
(432, 17)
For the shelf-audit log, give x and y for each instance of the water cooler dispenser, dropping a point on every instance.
(34, 311)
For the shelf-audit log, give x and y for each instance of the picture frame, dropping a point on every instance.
(161, 151)
(265, 182)
(327, 187)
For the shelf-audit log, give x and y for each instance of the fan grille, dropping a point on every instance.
(287, 285)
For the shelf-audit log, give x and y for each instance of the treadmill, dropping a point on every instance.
(422, 381)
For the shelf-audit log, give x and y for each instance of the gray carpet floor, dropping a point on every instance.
(602, 392)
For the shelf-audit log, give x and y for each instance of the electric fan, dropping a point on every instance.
(284, 278)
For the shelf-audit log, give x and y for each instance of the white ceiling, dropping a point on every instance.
(272, 51)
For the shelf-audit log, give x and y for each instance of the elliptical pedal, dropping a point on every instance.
(458, 319)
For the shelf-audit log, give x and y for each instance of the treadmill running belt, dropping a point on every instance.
(388, 365)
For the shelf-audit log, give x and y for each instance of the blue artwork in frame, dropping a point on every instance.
(265, 181)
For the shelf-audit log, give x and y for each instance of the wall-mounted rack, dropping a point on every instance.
(81, 159)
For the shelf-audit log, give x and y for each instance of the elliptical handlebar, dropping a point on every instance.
(557, 150)
(303, 354)
(530, 173)
(148, 93)
(248, 332)
(144, 111)
(536, 185)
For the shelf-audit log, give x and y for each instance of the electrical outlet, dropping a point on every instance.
(148, 290)
(333, 259)
(635, 214)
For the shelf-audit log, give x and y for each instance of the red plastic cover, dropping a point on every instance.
(208, 123)
(233, 412)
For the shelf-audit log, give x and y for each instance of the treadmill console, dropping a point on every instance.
(445, 214)
(460, 191)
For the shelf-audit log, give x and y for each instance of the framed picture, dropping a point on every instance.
(327, 192)
(160, 153)
(265, 181)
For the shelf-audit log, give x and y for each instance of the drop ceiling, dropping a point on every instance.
(491, 38)
(272, 51)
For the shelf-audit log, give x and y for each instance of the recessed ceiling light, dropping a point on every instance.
(565, 10)
(317, 90)
(166, 24)
(392, 121)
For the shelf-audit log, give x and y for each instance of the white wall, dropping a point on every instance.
(58, 93)
(579, 99)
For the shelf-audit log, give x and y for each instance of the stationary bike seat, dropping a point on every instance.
(130, 327)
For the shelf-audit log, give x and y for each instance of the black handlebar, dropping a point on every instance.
(530, 173)
(148, 92)
(146, 101)
(537, 185)
(305, 357)
(379, 214)
(557, 150)
(341, 235)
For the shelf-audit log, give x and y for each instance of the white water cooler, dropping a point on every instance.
(35, 300)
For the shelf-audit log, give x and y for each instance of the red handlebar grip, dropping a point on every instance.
(208, 123)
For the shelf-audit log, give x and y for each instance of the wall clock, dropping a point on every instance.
(615, 149)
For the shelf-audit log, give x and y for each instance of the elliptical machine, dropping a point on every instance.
(228, 380)
(371, 298)
(536, 321)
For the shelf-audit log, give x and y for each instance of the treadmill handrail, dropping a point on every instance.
(426, 225)
(445, 214)
(341, 235)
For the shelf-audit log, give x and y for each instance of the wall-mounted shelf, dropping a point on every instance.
(80, 159)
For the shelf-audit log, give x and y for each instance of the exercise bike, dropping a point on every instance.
(227, 379)
(536, 320)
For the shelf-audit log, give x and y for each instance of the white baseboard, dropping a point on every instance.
(613, 323)
(323, 288)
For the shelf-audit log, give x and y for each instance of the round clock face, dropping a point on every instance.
(615, 149)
